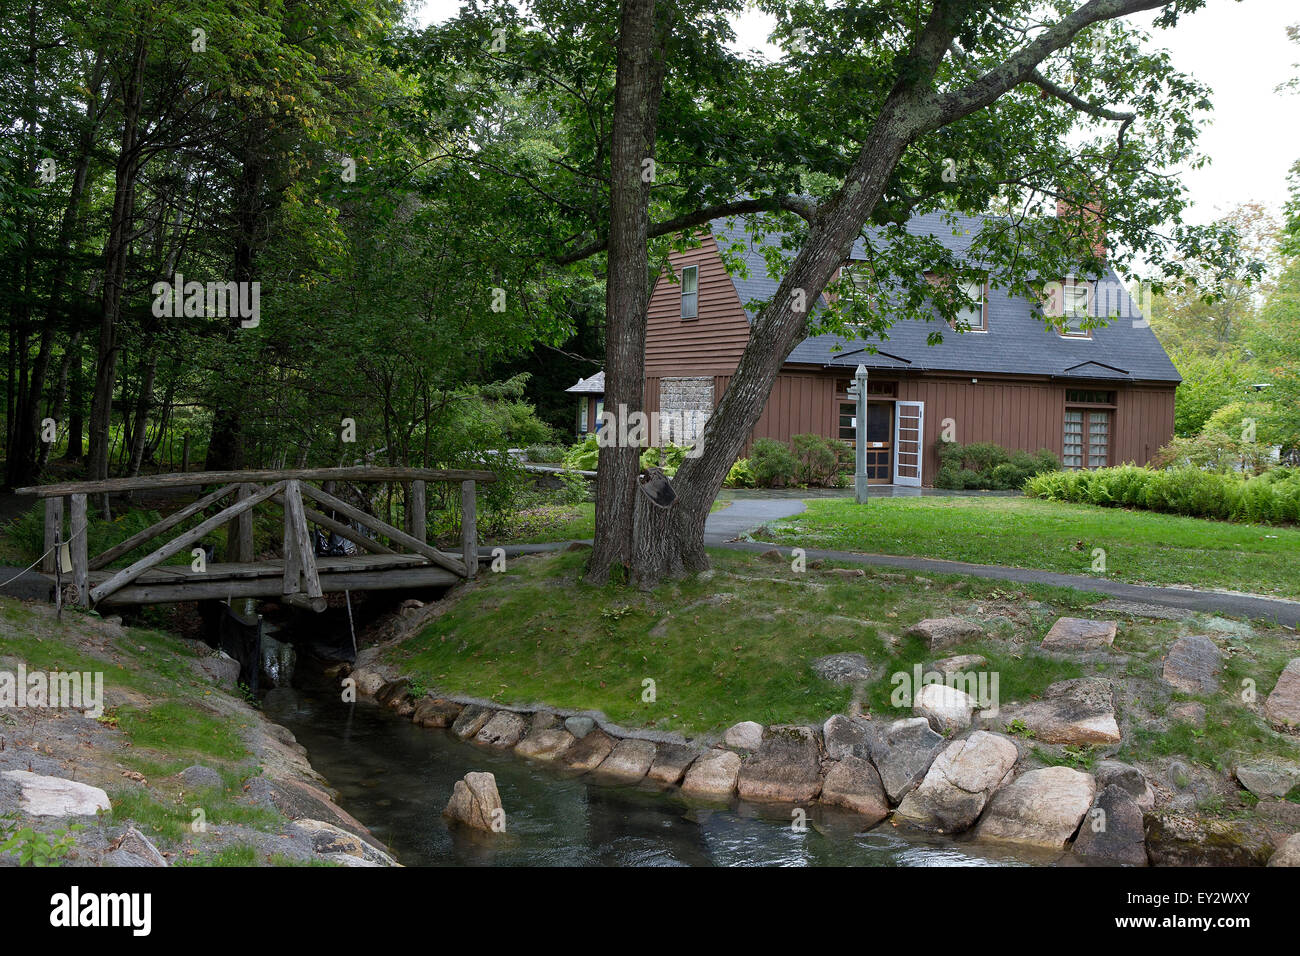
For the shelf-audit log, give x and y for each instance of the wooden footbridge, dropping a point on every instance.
(388, 557)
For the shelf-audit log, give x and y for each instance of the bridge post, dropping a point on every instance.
(468, 529)
(239, 533)
(53, 528)
(418, 511)
(80, 553)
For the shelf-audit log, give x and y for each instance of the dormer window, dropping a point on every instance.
(974, 317)
(690, 291)
(1076, 306)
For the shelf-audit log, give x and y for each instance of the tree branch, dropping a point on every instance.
(1080, 104)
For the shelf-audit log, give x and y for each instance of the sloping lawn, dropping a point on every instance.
(1141, 547)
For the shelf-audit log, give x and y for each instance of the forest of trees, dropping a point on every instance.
(446, 227)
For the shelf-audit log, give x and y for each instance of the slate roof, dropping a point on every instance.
(590, 386)
(1017, 342)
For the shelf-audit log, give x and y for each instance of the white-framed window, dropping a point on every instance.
(582, 414)
(973, 315)
(1076, 302)
(1087, 438)
(690, 292)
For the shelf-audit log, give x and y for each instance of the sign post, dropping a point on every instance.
(859, 389)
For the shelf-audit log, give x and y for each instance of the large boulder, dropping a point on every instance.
(1112, 831)
(1193, 664)
(670, 763)
(1079, 711)
(959, 783)
(902, 753)
(44, 796)
(1175, 840)
(475, 803)
(746, 735)
(846, 735)
(589, 752)
(547, 744)
(436, 712)
(502, 731)
(1288, 854)
(1129, 779)
(1078, 634)
(785, 769)
(132, 848)
(1283, 705)
(946, 708)
(713, 774)
(579, 725)
(960, 664)
(854, 784)
(1039, 808)
(944, 632)
(471, 720)
(629, 761)
(845, 668)
(336, 844)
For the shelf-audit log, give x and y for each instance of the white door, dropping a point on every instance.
(909, 448)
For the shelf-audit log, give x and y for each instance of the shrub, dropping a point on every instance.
(545, 453)
(667, 457)
(583, 455)
(773, 463)
(817, 460)
(989, 466)
(741, 475)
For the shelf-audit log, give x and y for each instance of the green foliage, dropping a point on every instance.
(741, 475)
(1273, 497)
(774, 465)
(989, 466)
(584, 455)
(667, 457)
(545, 454)
(818, 459)
(35, 848)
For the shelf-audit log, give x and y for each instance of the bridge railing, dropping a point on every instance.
(291, 489)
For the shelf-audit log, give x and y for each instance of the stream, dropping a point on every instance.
(396, 778)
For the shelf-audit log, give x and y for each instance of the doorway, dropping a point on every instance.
(880, 442)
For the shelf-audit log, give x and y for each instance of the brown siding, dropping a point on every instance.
(707, 345)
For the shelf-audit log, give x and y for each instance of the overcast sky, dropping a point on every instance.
(1239, 49)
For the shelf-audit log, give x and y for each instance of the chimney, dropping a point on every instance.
(1092, 224)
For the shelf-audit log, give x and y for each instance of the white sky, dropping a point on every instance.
(1239, 49)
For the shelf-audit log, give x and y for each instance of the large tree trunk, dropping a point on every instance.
(642, 37)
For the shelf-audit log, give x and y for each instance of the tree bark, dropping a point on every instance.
(643, 35)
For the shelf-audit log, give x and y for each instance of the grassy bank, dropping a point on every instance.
(1140, 547)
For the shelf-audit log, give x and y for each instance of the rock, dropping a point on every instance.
(476, 803)
(1077, 634)
(774, 555)
(587, 753)
(1038, 808)
(1136, 609)
(436, 712)
(785, 769)
(903, 753)
(1079, 711)
(846, 668)
(946, 708)
(578, 546)
(713, 774)
(132, 848)
(746, 735)
(57, 796)
(199, 777)
(846, 735)
(543, 720)
(1174, 840)
(846, 572)
(959, 664)
(547, 744)
(338, 844)
(942, 632)
(221, 669)
(392, 693)
(854, 784)
(1178, 775)
(1268, 778)
(959, 783)
(1188, 712)
(1113, 773)
(369, 683)
(1193, 665)
(1114, 834)
(579, 726)
(1288, 854)
(629, 761)
(470, 721)
(502, 731)
(670, 763)
(1283, 705)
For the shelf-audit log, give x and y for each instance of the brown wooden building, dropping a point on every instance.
(1094, 398)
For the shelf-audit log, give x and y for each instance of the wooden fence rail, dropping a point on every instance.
(299, 576)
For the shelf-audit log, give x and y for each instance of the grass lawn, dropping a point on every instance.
(1141, 547)
(559, 523)
(738, 642)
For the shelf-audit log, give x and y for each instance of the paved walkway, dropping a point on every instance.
(746, 514)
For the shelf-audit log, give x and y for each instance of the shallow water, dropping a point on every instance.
(396, 778)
